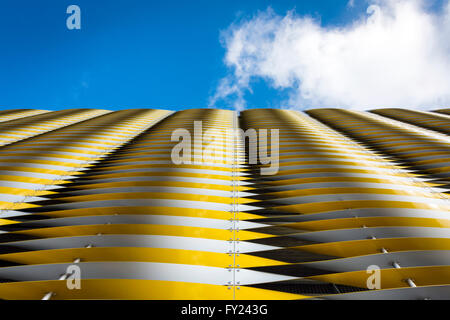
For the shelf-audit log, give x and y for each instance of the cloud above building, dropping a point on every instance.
(395, 55)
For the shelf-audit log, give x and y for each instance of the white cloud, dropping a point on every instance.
(397, 55)
(351, 3)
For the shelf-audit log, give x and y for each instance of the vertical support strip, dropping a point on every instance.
(235, 196)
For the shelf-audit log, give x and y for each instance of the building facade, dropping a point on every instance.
(157, 204)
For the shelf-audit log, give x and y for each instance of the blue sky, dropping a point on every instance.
(160, 54)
